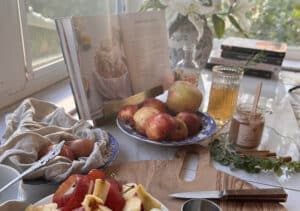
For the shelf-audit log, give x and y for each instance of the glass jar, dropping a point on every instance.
(224, 92)
(187, 69)
(246, 128)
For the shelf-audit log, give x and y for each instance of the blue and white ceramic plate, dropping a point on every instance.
(208, 129)
(114, 149)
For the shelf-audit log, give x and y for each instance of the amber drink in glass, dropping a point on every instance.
(224, 92)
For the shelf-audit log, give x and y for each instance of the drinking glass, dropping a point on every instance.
(224, 92)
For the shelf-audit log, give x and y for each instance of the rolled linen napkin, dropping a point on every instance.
(36, 124)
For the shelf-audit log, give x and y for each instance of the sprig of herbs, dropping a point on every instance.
(225, 153)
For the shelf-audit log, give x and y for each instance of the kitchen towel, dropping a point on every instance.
(36, 124)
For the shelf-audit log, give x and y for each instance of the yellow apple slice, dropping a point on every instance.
(101, 189)
(148, 200)
(91, 202)
(129, 190)
(133, 204)
(103, 208)
(46, 207)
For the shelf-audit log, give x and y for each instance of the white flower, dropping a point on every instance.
(239, 10)
(193, 9)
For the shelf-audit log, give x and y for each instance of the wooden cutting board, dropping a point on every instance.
(162, 177)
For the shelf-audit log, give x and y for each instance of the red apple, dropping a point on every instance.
(141, 116)
(160, 126)
(66, 151)
(127, 112)
(192, 121)
(155, 103)
(82, 147)
(184, 96)
(181, 131)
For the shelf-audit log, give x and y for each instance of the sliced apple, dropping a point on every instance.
(103, 208)
(48, 207)
(101, 189)
(133, 204)
(129, 190)
(91, 202)
(148, 200)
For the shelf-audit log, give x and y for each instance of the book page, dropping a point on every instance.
(113, 58)
(102, 60)
(146, 49)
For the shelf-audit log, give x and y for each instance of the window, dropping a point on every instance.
(44, 41)
(269, 20)
(30, 56)
(275, 20)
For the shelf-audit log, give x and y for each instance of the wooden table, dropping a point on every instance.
(133, 150)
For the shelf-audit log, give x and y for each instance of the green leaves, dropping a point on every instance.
(226, 155)
(218, 19)
(219, 25)
(297, 6)
(151, 4)
(296, 12)
(235, 23)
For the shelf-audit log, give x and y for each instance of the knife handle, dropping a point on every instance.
(271, 194)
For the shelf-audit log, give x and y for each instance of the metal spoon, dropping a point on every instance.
(38, 164)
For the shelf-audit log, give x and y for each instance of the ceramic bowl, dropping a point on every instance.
(13, 198)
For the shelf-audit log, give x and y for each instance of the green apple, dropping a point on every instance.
(184, 96)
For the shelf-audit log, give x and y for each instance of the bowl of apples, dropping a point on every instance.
(175, 122)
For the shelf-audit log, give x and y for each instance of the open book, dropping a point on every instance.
(113, 59)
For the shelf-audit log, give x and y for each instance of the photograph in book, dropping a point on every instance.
(116, 57)
(103, 66)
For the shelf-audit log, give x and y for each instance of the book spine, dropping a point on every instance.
(258, 73)
(243, 56)
(239, 63)
(250, 72)
(252, 51)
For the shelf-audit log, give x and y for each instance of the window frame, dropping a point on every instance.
(29, 81)
(54, 70)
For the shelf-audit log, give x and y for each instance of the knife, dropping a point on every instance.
(270, 194)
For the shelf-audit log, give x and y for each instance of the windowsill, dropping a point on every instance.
(59, 94)
(291, 65)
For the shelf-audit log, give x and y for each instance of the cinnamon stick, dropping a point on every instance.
(286, 159)
(263, 153)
